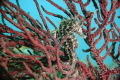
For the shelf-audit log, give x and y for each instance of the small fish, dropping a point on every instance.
(118, 16)
(24, 49)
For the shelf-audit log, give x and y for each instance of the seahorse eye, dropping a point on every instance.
(70, 27)
(67, 29)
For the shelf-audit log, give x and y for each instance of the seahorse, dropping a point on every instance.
(69, 27)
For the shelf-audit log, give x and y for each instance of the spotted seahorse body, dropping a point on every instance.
(69, 28)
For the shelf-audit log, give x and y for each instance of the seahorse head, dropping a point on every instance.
(77, 28)
(69, 26)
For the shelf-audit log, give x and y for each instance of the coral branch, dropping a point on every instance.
(36, 52)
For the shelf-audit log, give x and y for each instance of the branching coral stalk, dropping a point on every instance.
(49, 60)
(104, 18)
